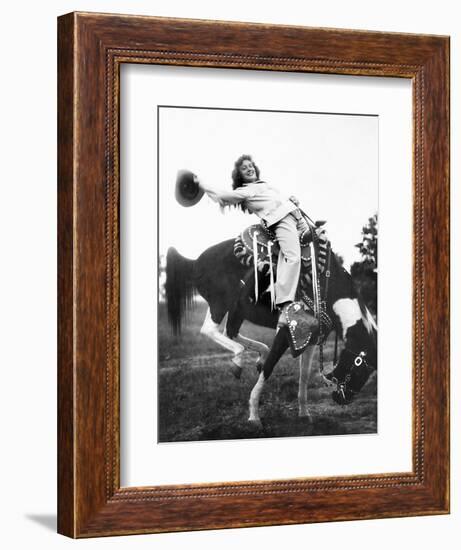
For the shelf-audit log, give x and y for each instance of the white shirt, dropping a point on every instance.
(259, 198)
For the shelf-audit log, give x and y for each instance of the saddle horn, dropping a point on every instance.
(187, 190)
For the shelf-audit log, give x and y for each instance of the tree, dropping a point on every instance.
(369, 246)
(365, 273)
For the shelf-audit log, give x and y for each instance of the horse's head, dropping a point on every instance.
(350, 375)
(357, 360)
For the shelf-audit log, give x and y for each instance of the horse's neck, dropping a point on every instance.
(340, 285)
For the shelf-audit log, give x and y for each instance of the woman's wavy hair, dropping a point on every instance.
(237, 180)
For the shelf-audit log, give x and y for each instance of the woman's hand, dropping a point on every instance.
(198, 182)
(321, 231)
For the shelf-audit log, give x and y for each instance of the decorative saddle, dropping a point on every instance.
(258, 242)
(262, 241)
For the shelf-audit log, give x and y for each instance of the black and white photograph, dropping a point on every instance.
(268, 273)
(202, 346)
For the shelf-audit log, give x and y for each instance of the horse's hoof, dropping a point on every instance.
(238, 359)
(255, 422)
(305, 415)
(236, 371)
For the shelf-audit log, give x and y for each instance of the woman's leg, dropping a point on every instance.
(289, 260)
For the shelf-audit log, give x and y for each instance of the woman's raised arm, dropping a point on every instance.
(225, 197)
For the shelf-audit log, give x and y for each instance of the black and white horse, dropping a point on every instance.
(220, 278)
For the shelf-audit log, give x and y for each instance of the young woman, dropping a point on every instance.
(278, 212)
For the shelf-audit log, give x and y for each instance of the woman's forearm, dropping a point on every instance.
(222, 196)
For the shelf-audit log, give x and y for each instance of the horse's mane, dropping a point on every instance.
(367, 317)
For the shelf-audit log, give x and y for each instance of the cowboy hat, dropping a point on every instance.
(187, 191)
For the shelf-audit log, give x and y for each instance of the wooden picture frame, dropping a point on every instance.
(92, 48)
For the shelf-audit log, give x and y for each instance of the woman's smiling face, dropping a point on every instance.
(247, 171)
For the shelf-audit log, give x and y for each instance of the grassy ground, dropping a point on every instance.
(199, 398)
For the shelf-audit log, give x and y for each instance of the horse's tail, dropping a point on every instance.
(179, 287)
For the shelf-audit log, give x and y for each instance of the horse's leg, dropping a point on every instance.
(233, 324)
(211, 329)
(254, 345)
(305, 364)
(254, 398)
(278, 348)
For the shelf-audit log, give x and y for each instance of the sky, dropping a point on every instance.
(328, 161)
